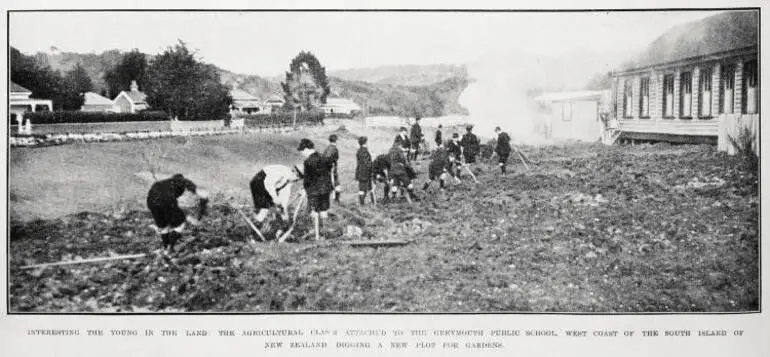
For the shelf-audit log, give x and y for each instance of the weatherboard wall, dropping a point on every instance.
(698, 123)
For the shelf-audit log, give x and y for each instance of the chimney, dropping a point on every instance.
(134, 86)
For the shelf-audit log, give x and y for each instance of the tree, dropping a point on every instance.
(30, 73)
(76, 84)
(132, 67)
(185, 87)
(306, 84)
(599, 81)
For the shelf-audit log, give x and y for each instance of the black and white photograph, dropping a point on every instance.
(383, 162)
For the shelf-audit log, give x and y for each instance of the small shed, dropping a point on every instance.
(573, 115)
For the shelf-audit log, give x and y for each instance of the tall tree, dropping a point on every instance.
(76, 83)
(178, 83)
(32, 73)
(306, 84)
(132, 67)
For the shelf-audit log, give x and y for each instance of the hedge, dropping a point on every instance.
(60, 117)
(255, 120)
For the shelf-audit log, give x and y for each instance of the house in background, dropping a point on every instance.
(19, 102)
(96, 103)
(697, 82)
(273, 103)
(573, 115)
(341, 106)
(244, 102)
(131, 101)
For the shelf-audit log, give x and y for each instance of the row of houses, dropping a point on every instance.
(134, 100)
(698, 82)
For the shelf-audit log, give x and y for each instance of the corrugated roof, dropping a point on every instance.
(19, 89)
(718, 33)
(238, 94)
(566, 96)
(92, 98)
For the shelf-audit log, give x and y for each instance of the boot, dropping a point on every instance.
(361, 199)
(502, 168)
(425, 186)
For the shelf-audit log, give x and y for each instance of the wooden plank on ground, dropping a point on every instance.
(377, 243)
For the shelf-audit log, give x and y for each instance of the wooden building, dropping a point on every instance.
(695, 83)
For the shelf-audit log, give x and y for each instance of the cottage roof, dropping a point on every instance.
(722, 32)
(238, 94)
(274, 98)
(15, 88)
(92, 98)
(569, 96)
(339, 101)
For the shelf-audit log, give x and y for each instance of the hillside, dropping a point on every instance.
(399, 90)
(405, 75)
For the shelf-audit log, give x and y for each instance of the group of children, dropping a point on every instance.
(271, 186)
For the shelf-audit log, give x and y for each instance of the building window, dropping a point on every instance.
(644, 98)
(566, 111)
(726, 89)
(750, 88)
(668, 96)
(685, 95)
(629, 97)
(704, 93)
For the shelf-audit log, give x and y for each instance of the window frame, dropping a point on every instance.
(750, 67)
(628, 98)
(682, 82)
(670, 79)
(642, 81)
(703, 78)
(724, 79)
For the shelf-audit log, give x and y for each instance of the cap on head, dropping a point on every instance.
(402, 129)
(305, 143)
(362, 140)
(469, 128)
(177, 177)
(497, 128)
(440, 126)
(333, 138)
(455, 136)
(417, 118)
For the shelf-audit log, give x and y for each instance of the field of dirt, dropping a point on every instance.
(590, 228)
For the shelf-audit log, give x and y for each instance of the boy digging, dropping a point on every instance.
(364, 171)
(333, 154)
(503, 148)
(317, 183)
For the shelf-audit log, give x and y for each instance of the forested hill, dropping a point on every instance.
(399, 90)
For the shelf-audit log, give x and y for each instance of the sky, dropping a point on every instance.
(264, 43)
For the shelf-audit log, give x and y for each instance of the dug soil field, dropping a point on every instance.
(588, 228)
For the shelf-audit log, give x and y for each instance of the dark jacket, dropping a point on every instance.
(439, 162)
(438, 139)
(380, 165)
(332, 153)
(363, 165)
(317, 175)
(415, 136)
(503, 144)
(470, 143)
(166, 192)
(402, 142)
(454, 150)
(399, 164)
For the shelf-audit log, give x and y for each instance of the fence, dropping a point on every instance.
(731, 124)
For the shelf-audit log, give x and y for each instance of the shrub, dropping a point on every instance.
(283, 119)
(745, 145)
(62, 117)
